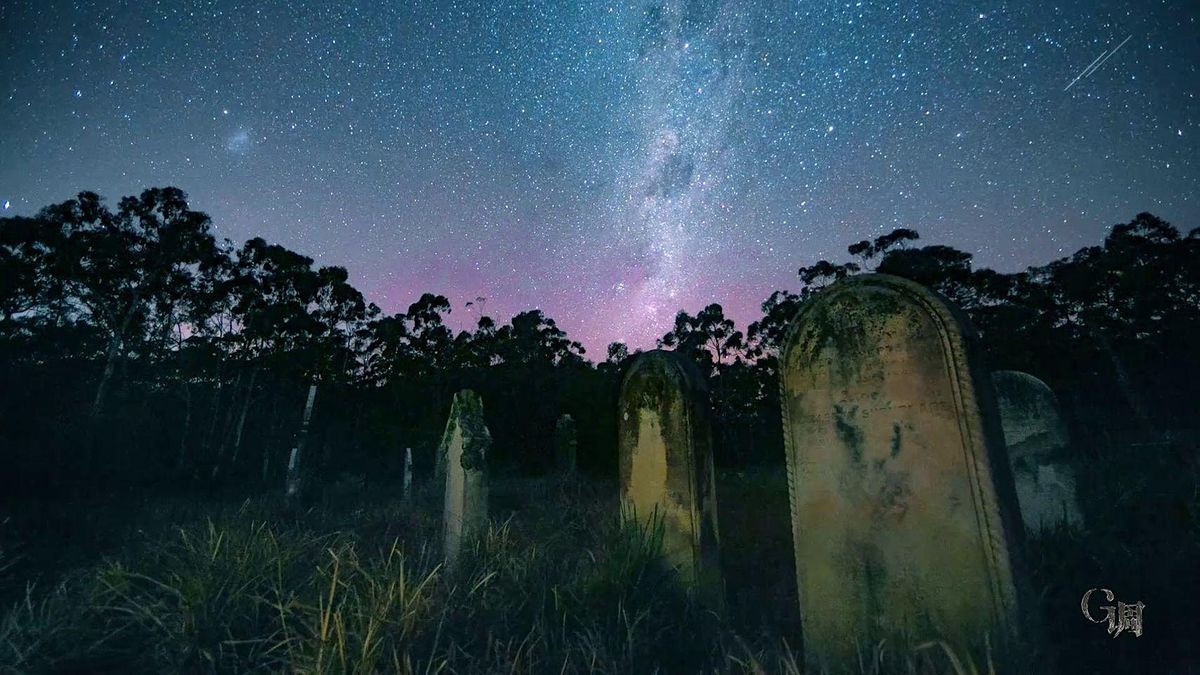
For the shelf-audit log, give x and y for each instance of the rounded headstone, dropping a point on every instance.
(666, 468)
(1028, 415)
(904, 517)
(1037, 440)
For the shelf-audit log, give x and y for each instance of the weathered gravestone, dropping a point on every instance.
(666, 468)
(408, 470)
(463, 451)
(1036, 438)
(565, 445)
(904, 520)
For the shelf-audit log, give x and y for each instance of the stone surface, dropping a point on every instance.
(408, 471)
(566, 445)
(295, 475)
(464, 449)
(665, 447)
(904, 517)
(1036, 438)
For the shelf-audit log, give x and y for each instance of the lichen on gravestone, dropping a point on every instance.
(465, 419)
(665, 450)
(904, 515)
(463, 454)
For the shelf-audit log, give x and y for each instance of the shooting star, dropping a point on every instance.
(1095, 65)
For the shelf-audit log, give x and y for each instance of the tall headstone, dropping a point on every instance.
(1037, 441)
(904, 518)
(295, 478)
(408, 470)
(566, 445)
(465, 447)
(666, 467)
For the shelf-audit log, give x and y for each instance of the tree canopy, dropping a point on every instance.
(148, 348)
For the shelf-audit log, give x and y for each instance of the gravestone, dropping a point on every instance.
(463, 450)
(565, 445)
(408, 470)
(904, 519)
(295, 476)
(291, 489)
(665, 447)
(1037, 441)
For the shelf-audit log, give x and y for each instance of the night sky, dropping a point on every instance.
(610, 163)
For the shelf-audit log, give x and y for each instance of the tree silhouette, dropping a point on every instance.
(192, 354)
(709, 339)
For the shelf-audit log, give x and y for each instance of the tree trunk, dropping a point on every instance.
(266, 446)
(355, 438)
(214, 415)
(241, 425)
(187, 425)
(110, 359)
(1127, 389)
(114, 347)
(722, 413)
(225, 428)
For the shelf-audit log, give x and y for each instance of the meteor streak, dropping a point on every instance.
(1095, 64)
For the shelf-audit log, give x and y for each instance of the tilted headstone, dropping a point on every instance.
(904, 518)
(565, 445)
(465, 447)
(666, 467)
(1036, 438)
(295, 476)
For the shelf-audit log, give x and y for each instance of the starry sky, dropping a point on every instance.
(610, 162)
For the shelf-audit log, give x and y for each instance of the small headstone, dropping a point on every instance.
(1037, 440)
(408, 470)
(465, 447)
(566, 445)
(666, 467)
(292, 488)
(904, 518)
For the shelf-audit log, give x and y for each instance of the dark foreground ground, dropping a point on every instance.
(352, 583)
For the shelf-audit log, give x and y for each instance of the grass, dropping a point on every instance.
(558, 587)
(561, 583)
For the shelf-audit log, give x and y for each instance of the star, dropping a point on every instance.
(614, 163)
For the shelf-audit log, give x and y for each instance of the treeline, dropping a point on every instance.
(1111, 328)
(135, 348)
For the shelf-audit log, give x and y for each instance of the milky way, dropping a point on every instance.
(610, 163)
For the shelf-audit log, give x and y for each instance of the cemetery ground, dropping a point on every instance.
(352, 582)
